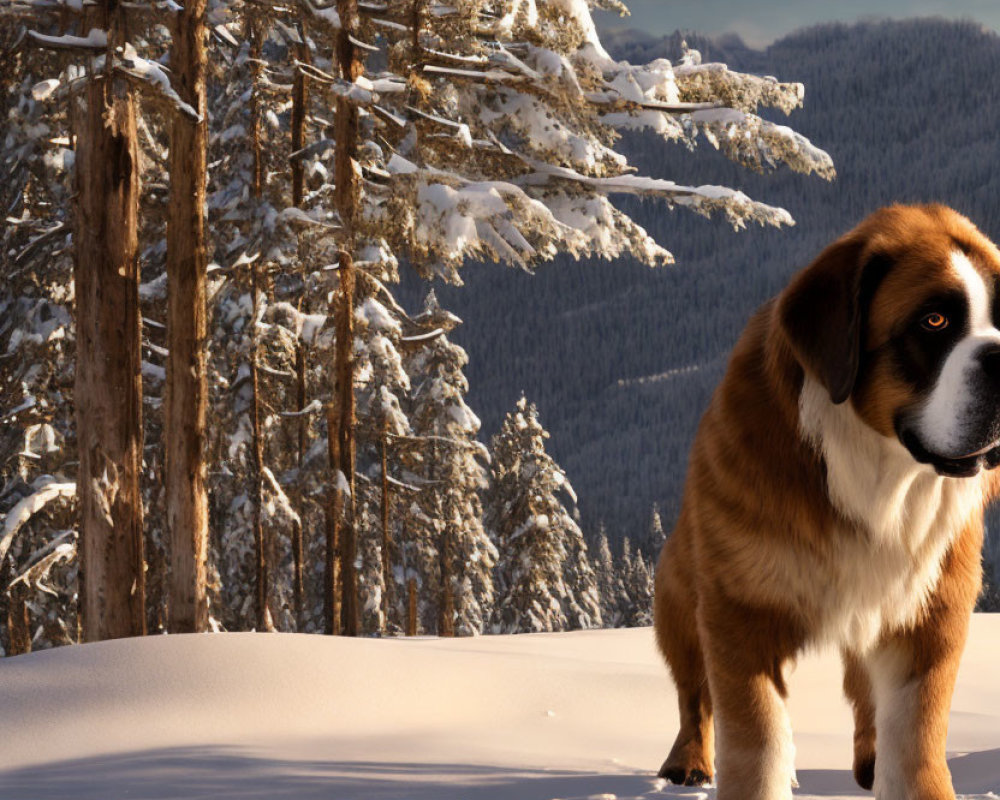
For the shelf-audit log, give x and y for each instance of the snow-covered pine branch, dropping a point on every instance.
(504, 146)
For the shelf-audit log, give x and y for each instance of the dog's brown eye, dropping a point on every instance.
(935, 322)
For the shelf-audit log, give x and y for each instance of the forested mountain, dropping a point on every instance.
(621, 360)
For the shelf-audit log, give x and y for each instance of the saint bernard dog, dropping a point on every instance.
(835, 495)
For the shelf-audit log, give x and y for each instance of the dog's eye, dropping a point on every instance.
(934, 322)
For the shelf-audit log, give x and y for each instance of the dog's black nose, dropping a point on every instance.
(989, 358)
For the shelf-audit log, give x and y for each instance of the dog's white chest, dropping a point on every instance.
(905, 517)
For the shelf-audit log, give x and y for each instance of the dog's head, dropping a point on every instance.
(901, 317)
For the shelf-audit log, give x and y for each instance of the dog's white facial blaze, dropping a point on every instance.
(940, 423)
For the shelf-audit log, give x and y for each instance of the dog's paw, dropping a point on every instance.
(864, 772)
(682, 776)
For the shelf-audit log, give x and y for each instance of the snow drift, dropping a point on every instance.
(532, 717)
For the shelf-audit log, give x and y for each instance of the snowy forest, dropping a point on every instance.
(218, 413)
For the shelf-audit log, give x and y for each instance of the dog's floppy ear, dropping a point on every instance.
(822, 312)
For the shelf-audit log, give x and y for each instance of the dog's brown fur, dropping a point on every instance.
(743, 583)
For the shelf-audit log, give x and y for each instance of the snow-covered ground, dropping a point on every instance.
(532, 717)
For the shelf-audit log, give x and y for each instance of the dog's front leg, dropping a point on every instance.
(913, 674)
(911, 721)
(744, 660)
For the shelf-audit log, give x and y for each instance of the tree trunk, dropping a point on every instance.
(343, 433)
(297, 555)
(261, 550)
(387, 578)
(108, 390)
(411, 607)
(18, 622)
(300, 105)
(186, 398)
(446, 623)
(346, 198)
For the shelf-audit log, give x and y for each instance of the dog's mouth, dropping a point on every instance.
(964, 466)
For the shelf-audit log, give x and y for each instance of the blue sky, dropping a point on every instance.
(760, 22)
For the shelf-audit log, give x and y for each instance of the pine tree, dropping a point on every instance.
(542, 553)
(657, 538)
(381, 386)
(604, 569)
(639, 592)
(450, 468)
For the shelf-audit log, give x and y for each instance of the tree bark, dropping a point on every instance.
(18, 622)
(386, 536)
(446, 622)
(186, 399)
(261, 549)
(411, 607)
(300, 105)
(346, 198)
(343, 518)
(297, 554)
(108, 390)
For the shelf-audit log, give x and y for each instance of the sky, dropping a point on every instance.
(760, 22)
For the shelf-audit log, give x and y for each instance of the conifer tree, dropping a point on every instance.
(639, 593)
(446, 428)
(539, 574)
(381, 386)
(604, 569)
(657, 537)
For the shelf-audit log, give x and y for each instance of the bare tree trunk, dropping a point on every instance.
(261, 549)
(108, 391)
(186, 398)
(411, 607)
(334, 510)
(343, 433)
(446, 622)
(387, 578)
(346, 197)
(297, 554)
(300, 105)
(18, 622)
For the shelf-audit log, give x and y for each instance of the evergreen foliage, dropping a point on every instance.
(543, 564)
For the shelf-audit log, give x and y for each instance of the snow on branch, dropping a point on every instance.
(314, 406)
(738, 90)
(325, 14)
(154, 76)
(760, 144)
(96, 39)
(62, 548)
(28, 507)
(360, 92)
(739, 208)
